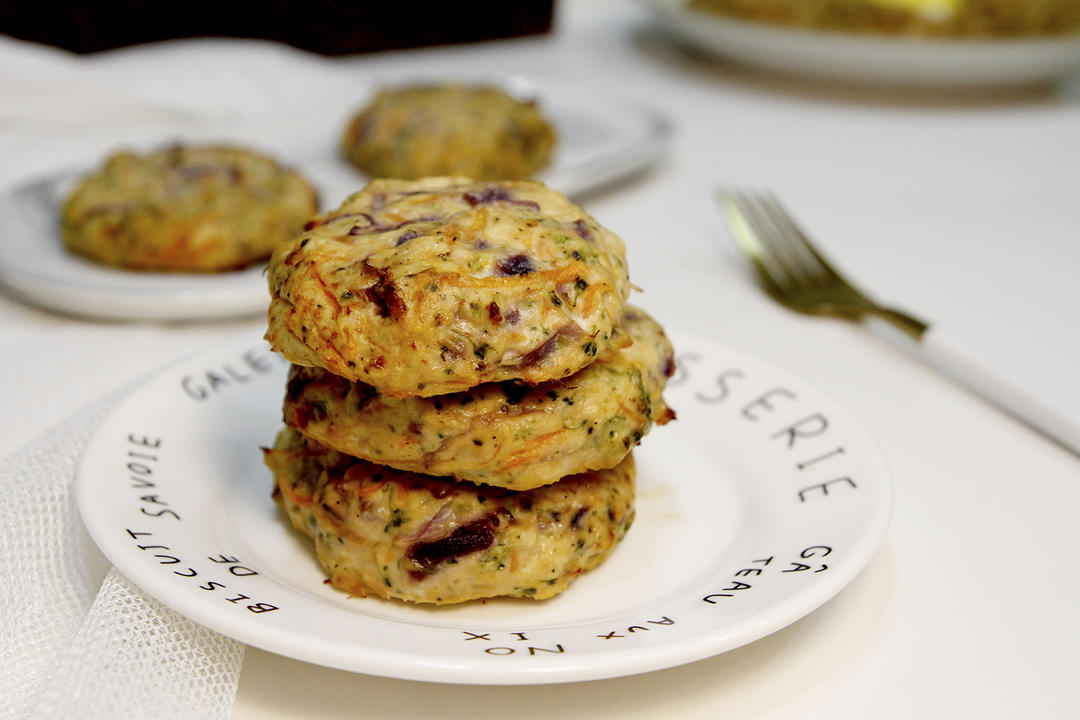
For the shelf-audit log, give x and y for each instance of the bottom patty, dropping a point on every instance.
(403, 535)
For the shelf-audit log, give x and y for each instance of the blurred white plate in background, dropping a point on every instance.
(600, 140)
(944, 63)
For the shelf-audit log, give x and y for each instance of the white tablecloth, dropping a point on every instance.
(962, 207)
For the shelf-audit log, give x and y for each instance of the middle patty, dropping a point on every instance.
(504, 434)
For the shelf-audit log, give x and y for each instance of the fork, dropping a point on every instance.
(794, 273)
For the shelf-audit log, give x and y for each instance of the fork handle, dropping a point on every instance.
(1045, 412)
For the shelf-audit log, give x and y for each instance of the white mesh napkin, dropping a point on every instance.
(72, 645)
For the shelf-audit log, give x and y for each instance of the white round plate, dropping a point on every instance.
(35, 266)
(758, 504)
(943, 63)
(601, 140)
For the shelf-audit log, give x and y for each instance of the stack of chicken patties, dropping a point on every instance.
(467, 385)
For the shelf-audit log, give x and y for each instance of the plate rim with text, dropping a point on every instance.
(35, 266)
(799, 500)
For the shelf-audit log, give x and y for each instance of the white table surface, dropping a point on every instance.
(963, 207)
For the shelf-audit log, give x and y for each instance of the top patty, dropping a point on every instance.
(426, 287)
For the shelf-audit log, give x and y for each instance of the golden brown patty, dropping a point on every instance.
(195, 209)
(424, 130)
(503, 434)
(971, 18)
(437, 285)
(414, 537)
